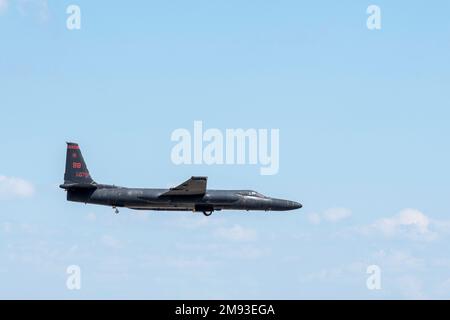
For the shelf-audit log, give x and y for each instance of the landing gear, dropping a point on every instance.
(206, 209)
(116, 211)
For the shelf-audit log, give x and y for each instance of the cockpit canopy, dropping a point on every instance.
(251, 193)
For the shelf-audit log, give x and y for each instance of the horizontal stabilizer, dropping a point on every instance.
(191, 187)
(68, 186)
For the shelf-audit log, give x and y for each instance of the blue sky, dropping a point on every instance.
(363, 119)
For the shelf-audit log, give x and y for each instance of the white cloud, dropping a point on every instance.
(92, 217)
(6, 227)
(225, 250)
(11, 187)
(397, 260)
(190, 262)
(441, 262)
(441, 227)
(336, 214)
(236, 233)
(408, 223)
(401, 274)
(39, 7)
(335, 273)
(443, 289)
(35, 8)
(314, 218)
(195, 221)
(110, 242)
(3, 5)
(407, 218)
(20, 228)
(411, 287)
(245, 252)
(331, 215)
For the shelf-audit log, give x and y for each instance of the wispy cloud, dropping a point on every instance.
(408, 223)
(401, 273)
(444, 288)
(411, 287)
(3, 5)
(334, 273)
(110, 242)
(236, 233)
(412, 219)
(189, 262)
(6, 227)
(92, 217)
(12, 187)
(336, 214)
(397, 260)
(195, 221)
(314, 218)
(331, 215)
(36, 8)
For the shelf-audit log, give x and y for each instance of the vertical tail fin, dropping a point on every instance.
(76, 169)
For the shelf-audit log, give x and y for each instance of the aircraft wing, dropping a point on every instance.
(193, 186)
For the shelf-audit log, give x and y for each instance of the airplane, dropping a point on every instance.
(191, 195)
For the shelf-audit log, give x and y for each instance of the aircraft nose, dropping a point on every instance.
(295, 205)
(282, 205)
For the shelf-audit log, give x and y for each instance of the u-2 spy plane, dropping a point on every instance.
(191, 195)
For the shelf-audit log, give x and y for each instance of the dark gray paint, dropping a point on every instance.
(81, 188)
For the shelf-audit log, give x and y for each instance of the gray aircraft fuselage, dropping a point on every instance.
(154, 199)
(192, 195)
